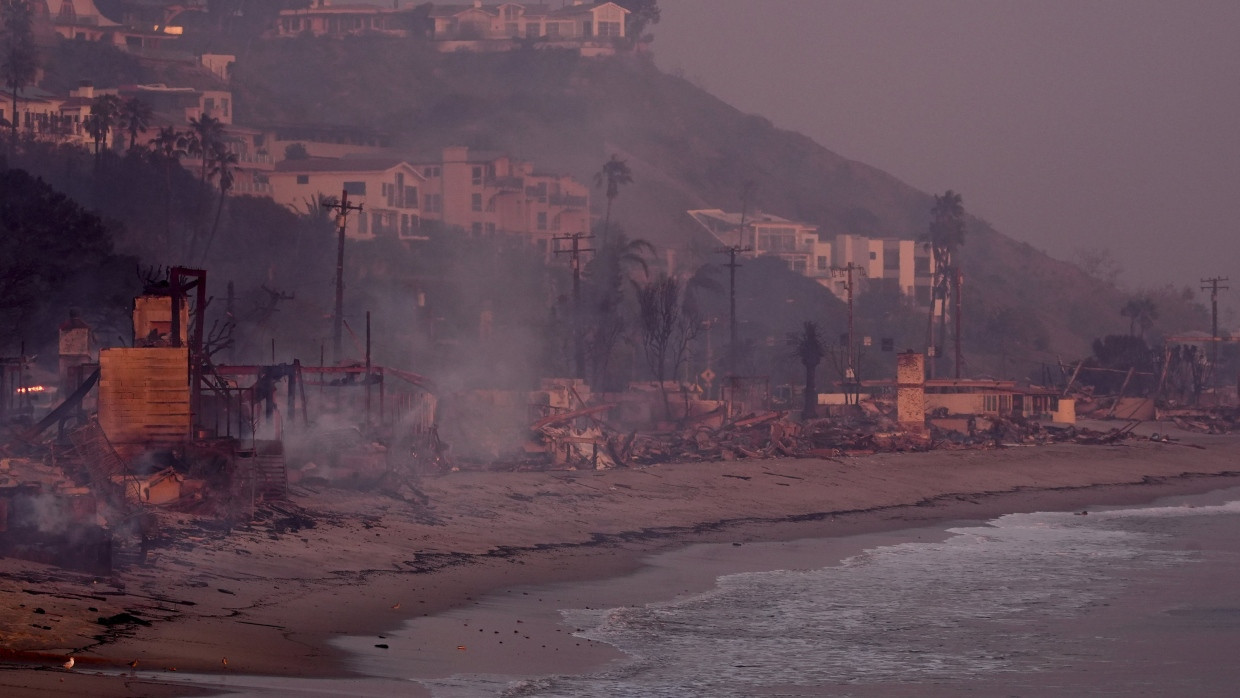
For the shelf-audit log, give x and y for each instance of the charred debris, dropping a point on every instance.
(125, 445)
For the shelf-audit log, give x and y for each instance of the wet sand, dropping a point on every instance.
(269, 597)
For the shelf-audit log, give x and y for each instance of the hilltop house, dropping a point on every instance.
(483, 193)
(580, 21)
(324, 18)
(590, 27)
(45, 116)
(81, 20)
(388, 190)
(902, 265)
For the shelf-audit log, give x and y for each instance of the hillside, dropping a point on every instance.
(687, 149)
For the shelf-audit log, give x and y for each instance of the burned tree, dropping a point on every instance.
(807, 346)
(618, 259)
(668, 321)
(1141, 313)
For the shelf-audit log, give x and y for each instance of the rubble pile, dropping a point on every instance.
(755, 436)
(597, 445)
(1217, 422)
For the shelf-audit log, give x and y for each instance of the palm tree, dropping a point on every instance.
(945, 236)
(614, 174)
(167, 149)
(223, 166)
(807, 346)
(204, 133)
(135, 117)
(1141, 312)
(170, 145)
(946, 232)
(104, 114)
(19, 58)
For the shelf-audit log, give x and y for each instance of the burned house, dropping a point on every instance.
(159, 425)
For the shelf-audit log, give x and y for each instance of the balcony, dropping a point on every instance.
(568, 201)
(506, 183)
(256, 159)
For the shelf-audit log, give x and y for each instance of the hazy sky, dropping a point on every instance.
(1065, 124)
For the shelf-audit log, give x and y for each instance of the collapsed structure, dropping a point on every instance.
(160, 426)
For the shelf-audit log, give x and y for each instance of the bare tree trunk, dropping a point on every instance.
(809, 406)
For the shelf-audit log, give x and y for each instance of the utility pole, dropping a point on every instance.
(850, 374)
(342, 220)
(1214, 288)
(959, 279)
(579, 352)
(732, 265)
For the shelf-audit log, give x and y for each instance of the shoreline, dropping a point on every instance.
(271, 598)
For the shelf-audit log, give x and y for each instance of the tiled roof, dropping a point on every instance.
(339, 165)
(530, 10)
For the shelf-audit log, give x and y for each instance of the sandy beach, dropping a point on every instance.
(265, 598)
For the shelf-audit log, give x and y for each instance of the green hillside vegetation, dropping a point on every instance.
(686, 150)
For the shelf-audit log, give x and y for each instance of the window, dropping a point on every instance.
(798, 265)
(411, 197)
(777, 240)
(542, 220)
(609, 29)
(432, 203)
(404, 223)
(476, 176)
(587, 29)
(553, 30)
(490, 228)
(510, 29)
(873, 256)
(361, 224)
(430, 171)
(303, 179)
(475, 202)
(532, 30)
(476, 229)
(355, 188)
(491, 205)
(822, 263)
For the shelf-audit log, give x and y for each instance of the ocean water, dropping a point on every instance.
(1142, 601)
